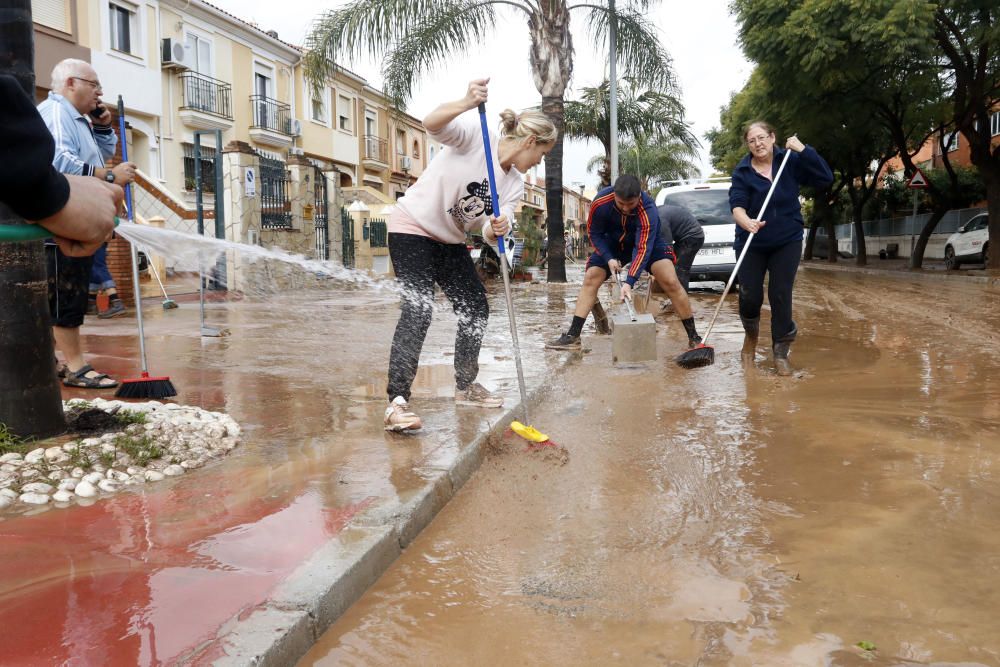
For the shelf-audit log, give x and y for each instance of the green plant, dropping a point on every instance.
(108, 459)
(10, 442)
(141, 449)
(128, 417)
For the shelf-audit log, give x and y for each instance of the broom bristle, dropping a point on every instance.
(146, 387)
(703, 355)
(168, 304)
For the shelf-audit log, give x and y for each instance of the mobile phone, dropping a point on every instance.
(98, 112)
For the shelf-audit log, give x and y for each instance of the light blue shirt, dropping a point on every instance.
(80, 148)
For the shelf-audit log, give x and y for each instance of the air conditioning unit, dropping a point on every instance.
(172, 54)
(296, 127)
(405, 162)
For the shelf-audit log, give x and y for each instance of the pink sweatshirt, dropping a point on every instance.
(452, 196)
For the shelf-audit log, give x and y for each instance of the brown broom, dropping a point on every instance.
(704, 354)
(144, 386)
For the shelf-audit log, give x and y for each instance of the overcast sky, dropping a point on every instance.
(700, 36)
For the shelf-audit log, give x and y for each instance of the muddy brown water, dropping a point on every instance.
(725, 516)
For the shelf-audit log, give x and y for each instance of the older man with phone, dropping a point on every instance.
(81, 127)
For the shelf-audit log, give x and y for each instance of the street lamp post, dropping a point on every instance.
(613, 116)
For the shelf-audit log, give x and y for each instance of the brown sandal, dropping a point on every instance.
(80, 379)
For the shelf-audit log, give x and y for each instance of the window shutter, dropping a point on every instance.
(51, 13)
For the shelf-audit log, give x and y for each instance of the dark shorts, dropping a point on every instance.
(661, 250)
(69, 287)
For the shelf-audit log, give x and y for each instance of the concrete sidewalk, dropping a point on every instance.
(899, 268)
(249, 559)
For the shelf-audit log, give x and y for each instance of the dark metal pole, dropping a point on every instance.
(613, 130)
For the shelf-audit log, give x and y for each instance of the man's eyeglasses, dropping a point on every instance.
(95, 84)
(758, 140)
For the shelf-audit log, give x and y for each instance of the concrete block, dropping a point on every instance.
(633, 342)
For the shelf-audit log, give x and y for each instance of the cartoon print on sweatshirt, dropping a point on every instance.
(475, 204)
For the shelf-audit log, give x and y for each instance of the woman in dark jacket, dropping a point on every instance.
(777, 243)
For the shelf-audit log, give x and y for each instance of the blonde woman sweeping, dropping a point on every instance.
(427, 240)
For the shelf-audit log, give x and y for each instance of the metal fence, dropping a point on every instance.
(321, 206)
(275, 204)
(270, 114)
(205, 94)
(910, 225)
(347, 243)
(379, 233)
(376, 148)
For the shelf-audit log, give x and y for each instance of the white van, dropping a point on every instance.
(709, 203)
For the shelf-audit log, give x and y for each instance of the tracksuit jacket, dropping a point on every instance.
(615, 235)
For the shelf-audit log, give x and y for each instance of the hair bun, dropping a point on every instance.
(508, 118)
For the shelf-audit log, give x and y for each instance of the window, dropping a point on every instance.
(400, 142)
(345, 114)
(995, 123)
(416, 149)
(198, 53)
(371, 123)
(951, 142)
(51, 13)
(123, 25)
(430, 153)
(318, 105)
(207, 168)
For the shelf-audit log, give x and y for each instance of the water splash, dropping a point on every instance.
(193, 252)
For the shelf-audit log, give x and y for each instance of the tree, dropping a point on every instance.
(417, 35)
(656, 115)
(30, 400)
(652, 162)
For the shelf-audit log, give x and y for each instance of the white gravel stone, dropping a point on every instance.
(34, 498)
(57, 475)
(11, 456)
(68, 484)
(93, 477)
(8, 467)
(109, 486)
(34, 456)
(190, 464)
(117, 475)
(153, 476)
(173, 470)
(62, 496)
(6, 501)
(108, 448)
(77, 473)
(29, 473)
(8, 493)
(38, 487)
(71, 447)
(90, 442)
(85, 489)
(54, 452)
(132, 470)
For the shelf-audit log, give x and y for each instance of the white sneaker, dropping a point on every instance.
(399, 418)
(478, 396)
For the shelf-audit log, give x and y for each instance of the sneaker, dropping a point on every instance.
(564, 342)
(115, 308)
(478, 396)
(399, 418)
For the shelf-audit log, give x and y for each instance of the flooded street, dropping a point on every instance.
(725, 516)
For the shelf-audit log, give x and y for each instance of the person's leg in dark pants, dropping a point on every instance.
(782, 265)
(413, 258)
(751, 278)
(457, 277)
(686, 251)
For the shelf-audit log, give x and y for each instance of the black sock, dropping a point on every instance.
(689, 327)
(577, 326)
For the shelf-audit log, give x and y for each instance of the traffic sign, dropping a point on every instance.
(918, 181)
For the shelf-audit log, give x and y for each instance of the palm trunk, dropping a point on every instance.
(554, 226)
(30, 400)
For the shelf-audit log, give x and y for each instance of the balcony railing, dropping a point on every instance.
(376, 149)
(270, 114)
(205, 94)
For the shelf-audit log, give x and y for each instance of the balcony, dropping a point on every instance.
(272, 122)
(206, 103)
(376, 152)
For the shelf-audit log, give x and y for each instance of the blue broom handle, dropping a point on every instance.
(121, 138)
(492, 176)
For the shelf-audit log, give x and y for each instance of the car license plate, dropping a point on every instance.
(712, 251)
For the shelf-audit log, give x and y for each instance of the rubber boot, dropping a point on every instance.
(752, 329)
(781, 350)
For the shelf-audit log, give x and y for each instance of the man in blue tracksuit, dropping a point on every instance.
(777, 233)
(624, 228)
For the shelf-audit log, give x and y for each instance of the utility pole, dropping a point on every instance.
(613, 116)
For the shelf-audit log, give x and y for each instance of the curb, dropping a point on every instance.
(905, 273)
(300, 609)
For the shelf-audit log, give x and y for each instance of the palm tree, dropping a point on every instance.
(657, 114)
(415, 35)
(656, 162)
(30, 401)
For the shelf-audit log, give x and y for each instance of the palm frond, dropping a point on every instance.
(641, 55)
(448, 32)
